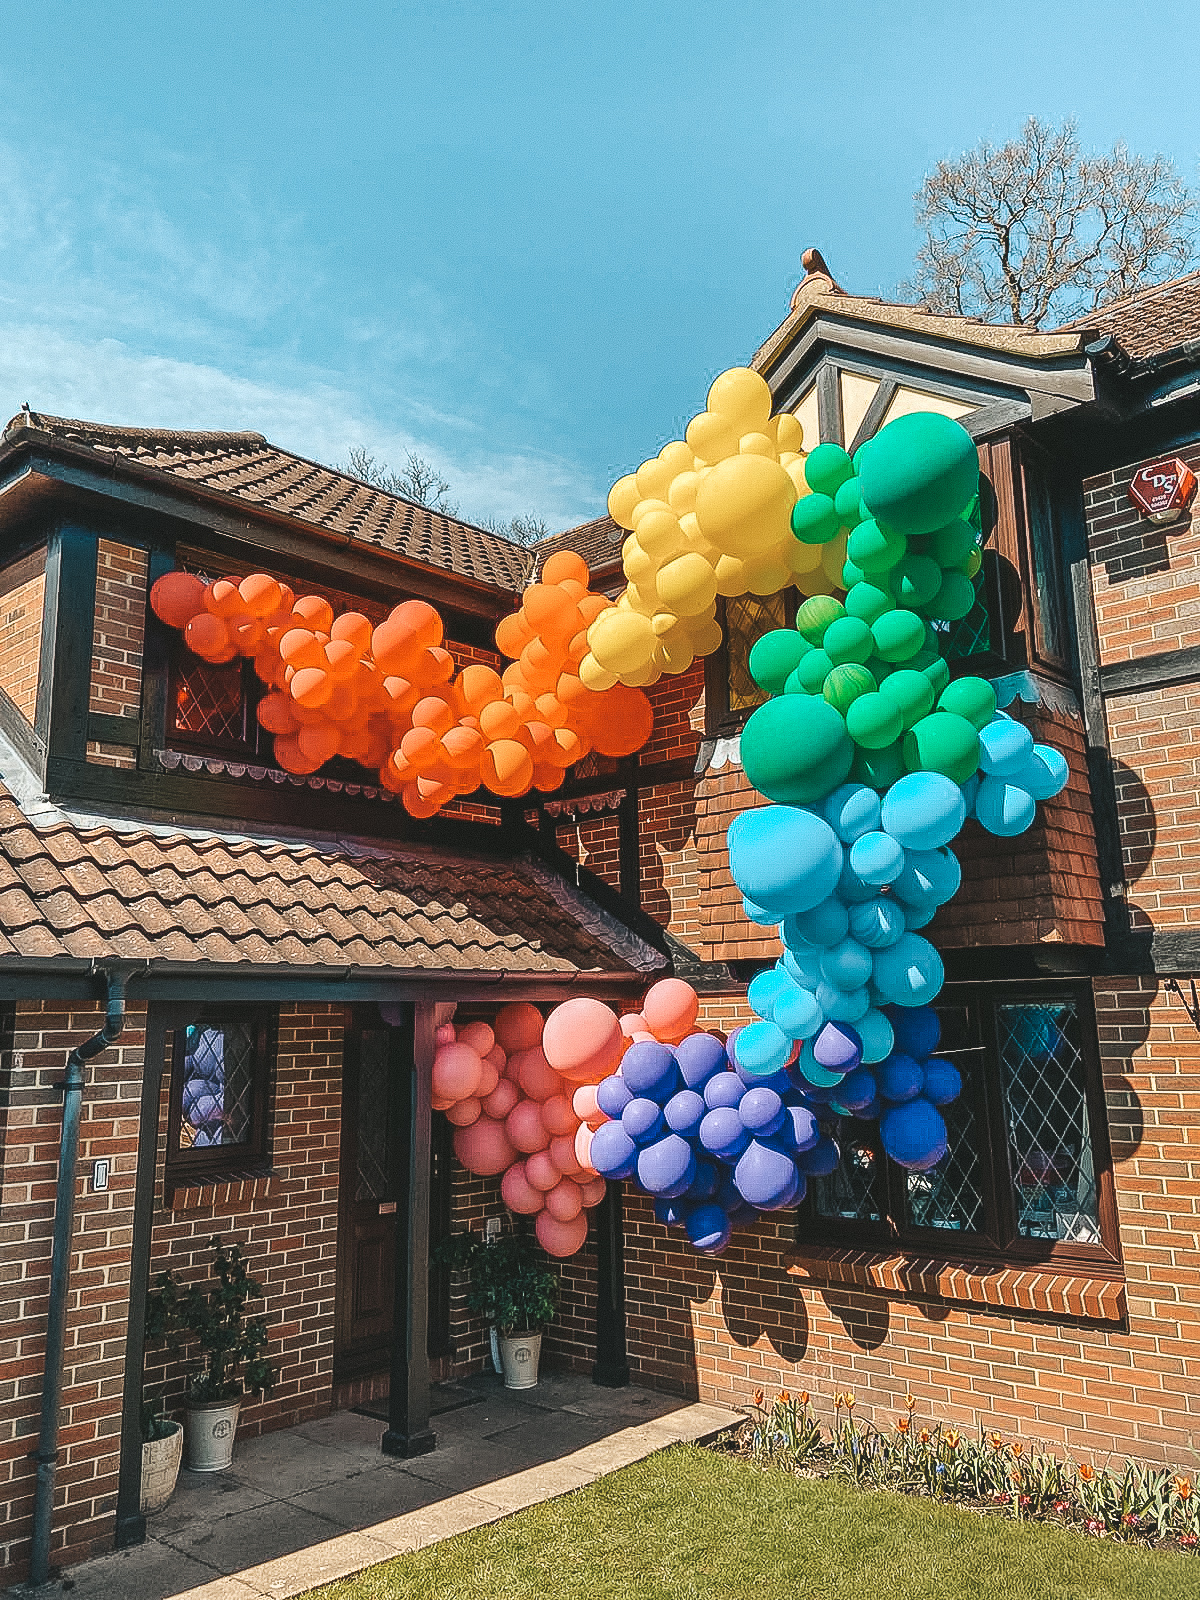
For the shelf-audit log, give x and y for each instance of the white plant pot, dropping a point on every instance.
(211, 1430)
(519, 1353)
(160, 1469)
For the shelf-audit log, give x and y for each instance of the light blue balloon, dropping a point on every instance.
(920, 916)
(842, 1005)
(758, 914)
(762, 1049)
(928, 875)
(969, 790)
(852, 890)
(766, 988)
(877, 923)
(798, 1014)
(910, 973)
(923, 810)
(825, 924)
(784, 859)
(803, 967)
(852, 810)
(847, 965)
(1004, 747)
(877, 1035)
(1003, 808)
(1045, 774)
(877, 858)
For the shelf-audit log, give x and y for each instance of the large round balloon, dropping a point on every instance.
(919, 473)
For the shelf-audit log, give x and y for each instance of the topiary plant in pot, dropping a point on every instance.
(232, 1359)
(510, 1286)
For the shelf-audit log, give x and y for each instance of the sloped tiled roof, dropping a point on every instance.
(132, 893)
(598, 542)
(247, 468)
(1151, 322)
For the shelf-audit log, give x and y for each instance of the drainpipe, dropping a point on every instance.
(46, 1454)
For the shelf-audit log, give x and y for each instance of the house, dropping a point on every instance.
(1041, 1280)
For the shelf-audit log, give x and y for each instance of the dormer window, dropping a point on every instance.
(212, 707)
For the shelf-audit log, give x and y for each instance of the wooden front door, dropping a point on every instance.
(371, 1170)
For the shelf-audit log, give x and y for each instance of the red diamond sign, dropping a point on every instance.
(1163, 488)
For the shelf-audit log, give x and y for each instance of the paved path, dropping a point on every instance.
(307, 1505)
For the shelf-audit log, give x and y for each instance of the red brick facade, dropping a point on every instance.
(119, 636)
(21, 635)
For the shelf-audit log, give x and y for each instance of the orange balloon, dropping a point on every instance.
(410, 629)
(355, 629)
(670, 1009)
(275, 713)
(421, 747)
(571, 746)
(290, 756)
(319, 742)
(593, 1191)
(591, 606)
(206, 635)
(551, 710)
(416, 804)
(261, 594)
(435, 790)
(176, 597)
(433, 712)
(499, 720)
(439, 667)
(506, 767)
(246, 634)
(299, 648)
(582, 1034)
(550, 613)
(464, 748)
(341, 658)
(399, 698)
(625, 722)
(565, 565)
(315, 612)
(223, 598)
(574, 588)
(540, 665)
(311, 688)
(342, 705)
(513, 633)
(479, 685)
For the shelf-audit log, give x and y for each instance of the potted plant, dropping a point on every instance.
(513, 1290)
(229, 1342)
(162, 1451)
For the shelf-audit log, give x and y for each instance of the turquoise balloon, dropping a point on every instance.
(878, 923)
(920, 473)
(910, 972)
(877, 858)
(797, 1013)
(1045, 774)
(795, 750)
(814, 519)
(815, 615)
(847, 502)
(847, 965)
(765, 989)
(775, 656)
(783, 859)
(852, 811)
(826, 924)
(827, 468)
(874, 549)
(1004, 748)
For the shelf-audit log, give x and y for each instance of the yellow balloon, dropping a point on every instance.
(643, 600)
(677, 457)
(622, 498)
(833, 559)
(795, 471)
(654, 479)
(660, 536)
(690, 529)
(757, 444)
(744, 505)
(816, 582)
(662, 622)
(786, 457)
(707, 638)
(682, 494)
(768, 574)
(789, 435)
(742, 396)
(638, 566)
(621, 641)
(687, 585)
(804, 557)
(712, 438)
(677, 655)
(593, 676)
(645, 507)
(643, 677)
(730, 574)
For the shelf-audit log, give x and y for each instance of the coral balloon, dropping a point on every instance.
(561, 1239)
(518, 1193)
(502, 1099)
(518, 1027)
(541, 1171)
(592, 1191)
(176, 598)
(558, 1116)
(535, 1074)
(484, 1148)
(464, 1112)
(207, 636)
(457, 1070)
(583, 1104)
(670, 1009)
(479, 1036)
(583, 1148)
(562, 1153)
(564, 1201)
(525, 1127)
(582, 1036)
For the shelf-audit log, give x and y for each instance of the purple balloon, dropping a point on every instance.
(722, 1133)
(723, 1089)
(698, 1057)
(914, 1135)
(612, 1152)
(818, 1162)
(761, 1111)
(837, 1048)
(642, 1120)
(666, 1167)
(685, 1112)
(649, 1069)
(764, 1175)
(613, 1095)
(899, 1078)
(800, 1130)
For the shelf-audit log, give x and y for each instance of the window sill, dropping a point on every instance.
(228, 1190)
(1054, 1292)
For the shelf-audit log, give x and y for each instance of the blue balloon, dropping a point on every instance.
(876, 923)
(784, 859)
(685, 1112)
(709, 1228)
(924, 810)
(613, 1095)
(917, 1029)
(698, 1057)
(649, 1069)
(823, 925)
(762, 1050)
(800, 1130)
(1003, 808)
(899, 1078)
(764, 1175)
(854, 890)
(666, 1167)
(707, 1180)
(798, 1014)
(642, 1120)
(761, 1111)
(613, 1153)
(721, 1134)
(1004, 747)
(1045, 773)
(914, 1135)
(877, 858)
(877, 1035)
(803, 966)
(847, 965)
(910, 973)
(928, 876)
(821, 1160)
(843, 1005)
(851, 811)
(942, 1082)
(857, 1089)
(723, 1089)
(765, 989)
(671, 1213)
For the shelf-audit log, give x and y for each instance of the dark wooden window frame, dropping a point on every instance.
(212, 1163)
(999, 1242)
(181, 662)
(719, 719)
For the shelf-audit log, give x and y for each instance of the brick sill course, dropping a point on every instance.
(224, 1191)
(1054, 1292)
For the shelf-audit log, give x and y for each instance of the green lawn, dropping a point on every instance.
(687, 1524)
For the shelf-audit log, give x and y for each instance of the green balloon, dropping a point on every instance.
(826, 469)
(848, 639)
(973, 562)
(950, 546)
(845, 684)
(795, 750)
(972, 698)
(867, 600)
(880, 669)
(775, 656)
(938, 673)
(898, 635)
(811, 673)
(954, 598)
(915, 580)
(848, 504)
(852, 576)
(815, 615)
(873, 722)
(920, 473)
(878, 769)
(943, 742)
(910, 692)
(873, 549)
(814, 520)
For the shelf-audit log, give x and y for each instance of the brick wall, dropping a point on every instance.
(1154, 741)
(670, 865)
(594, 841)
(678, 717)
(118, 637)
(21, 638)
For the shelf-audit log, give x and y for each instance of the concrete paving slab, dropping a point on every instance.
(369, 1497)
(205, 1497)
(284, 1465)
(237, 1544)
(148, 1572)
(316, 1564)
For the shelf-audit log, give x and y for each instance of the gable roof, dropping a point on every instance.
(125, 891)
(246, 468)
(598, 542)
(1152, 322)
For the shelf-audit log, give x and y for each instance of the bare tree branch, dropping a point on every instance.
(418, 480)
(1036, 230)
(526, 531)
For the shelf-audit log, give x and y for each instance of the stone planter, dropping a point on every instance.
(211, 1429)
(519, 1353)
(160, 1469)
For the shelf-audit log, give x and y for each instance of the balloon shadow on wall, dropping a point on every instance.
(759, 1298)
(663, 845)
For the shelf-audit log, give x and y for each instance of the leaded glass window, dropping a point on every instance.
(747, 618)
(219, 1092)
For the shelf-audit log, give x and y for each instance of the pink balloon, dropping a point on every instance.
(501, 1100)
(633, 1022)
(488, 1079)
(526, 1128)
(562, 1153)
(541, 1171)
(518, 1027)
(497, 1057)
(592, 1191)
(583, 1103)
(440, 1103)
(479, 1036)
(564, 1201)
(457, 1070)
(446, 1034)
(582, 1038)
(670, 1009)
(484, 1148)
(535, 1075)
(518, 1193)
(558, 1116)
(464, 1112)
(561, 1239)
(583, 1148)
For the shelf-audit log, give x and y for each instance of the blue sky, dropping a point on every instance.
(518, 238)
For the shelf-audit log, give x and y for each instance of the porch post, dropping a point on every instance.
(612, 1365)
(409, 1433)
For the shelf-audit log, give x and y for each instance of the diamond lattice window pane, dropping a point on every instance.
(374, 1121)
(852, 1193)
(970, 635)
(746, 620)
(1050, 1141)
(950, 1195)
(218, 1086)
(210, 701)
